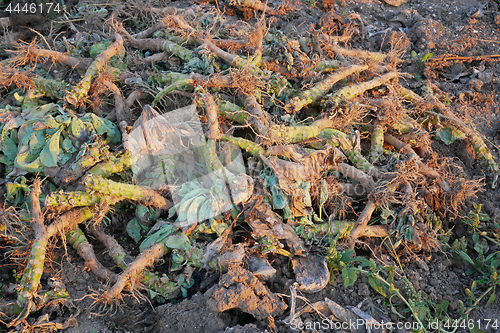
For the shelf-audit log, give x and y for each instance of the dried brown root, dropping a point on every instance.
(12, 228)
(477, 142)
(231, 59)
(149, 31)
(443, 60)
(257, 5)
(131, 276)
(152, 59)
(356, 174)
(115, 250)
(259, 119)
(424, 169)
(63, 58)
(122, 110)
(361, 222)
(375, 56)
(214, 132)
(69, 221)
(77, 239)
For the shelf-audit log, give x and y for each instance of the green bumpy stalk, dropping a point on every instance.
(81, 90)
(482, 150)
(112, 166)
(115, 250)
(170, 77)
(58, 293)
(315, 93)
(126, 191)
(51, 88)
(293, 134)
(360, 162)
(334, 230)
(377, 144)
(178, 50)
(92, 155)
(232, 111)
(247, 145)
(409, 125)
(344, 141)
(327, 65)
(348, 93)
(30, 282)
(76, 238)
(72, 199)
(213, 158)
(180, 84)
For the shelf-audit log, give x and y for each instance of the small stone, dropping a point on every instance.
(363, 290)
(395, 3)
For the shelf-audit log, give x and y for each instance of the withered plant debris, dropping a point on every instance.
(278, 143)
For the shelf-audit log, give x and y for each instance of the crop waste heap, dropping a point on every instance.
(278, 144)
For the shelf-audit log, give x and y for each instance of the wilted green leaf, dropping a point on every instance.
(449, 135)
(178, 259)
(40, 112)
(17, 191)
(50, 153)
(350, 276)
(323, 196)
(492, 298)
(156, 236)
(377, 286)
(178, 241)
(465, 257)
(218, 227)
(206, 211)
(103, 127)
(96, 49)
(133, 229)
(422, 311)
(78, 129)
(8, 146)
(67, 144)
(427, 56)
(347, 256)
(146, 214)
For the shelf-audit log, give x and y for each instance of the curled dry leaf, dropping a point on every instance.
(240, 289)
(265, 222)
